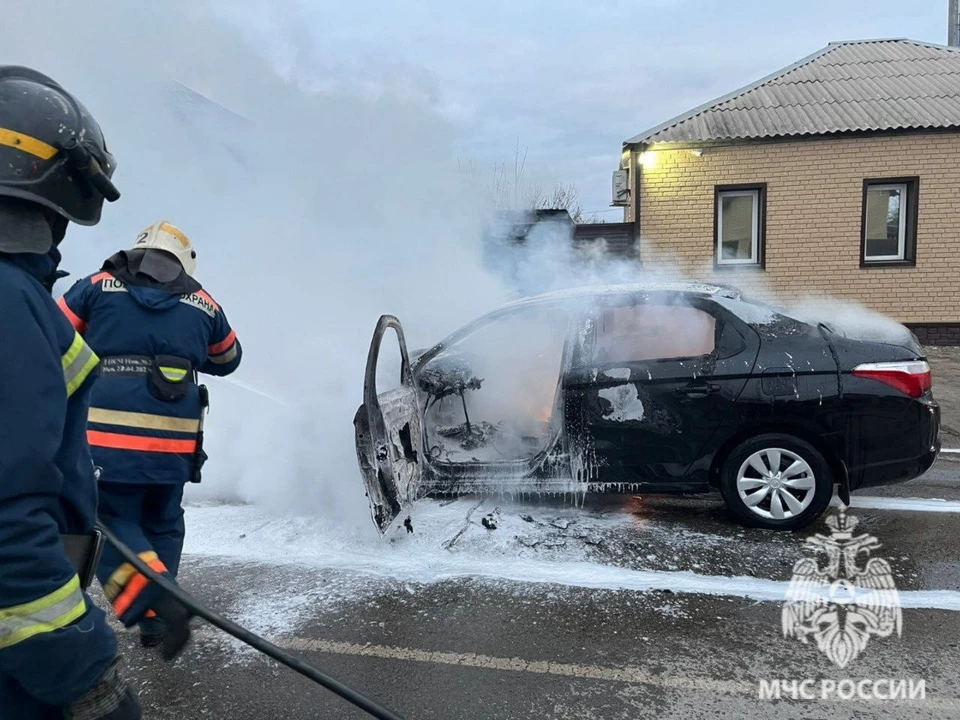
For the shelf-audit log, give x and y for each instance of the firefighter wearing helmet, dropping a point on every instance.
(154, 328)
(57, 654)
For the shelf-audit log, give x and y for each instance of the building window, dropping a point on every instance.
(889, 226)
(739, 214)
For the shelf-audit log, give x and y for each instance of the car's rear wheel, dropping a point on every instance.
(776, 481)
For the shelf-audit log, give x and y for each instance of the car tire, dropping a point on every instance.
(776, 481)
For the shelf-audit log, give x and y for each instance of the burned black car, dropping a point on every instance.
(652, 389)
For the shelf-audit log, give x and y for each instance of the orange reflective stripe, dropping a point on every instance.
(133, 588)
(79, 325)
(100, 276)
(205, 296)
(138, 442)
(224, 344)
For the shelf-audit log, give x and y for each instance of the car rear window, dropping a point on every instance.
(634, 333)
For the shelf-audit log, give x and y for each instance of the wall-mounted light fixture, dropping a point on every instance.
(647, 159)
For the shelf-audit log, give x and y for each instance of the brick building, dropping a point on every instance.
(838, 175)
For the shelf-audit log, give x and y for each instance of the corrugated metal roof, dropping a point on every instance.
(895, 84)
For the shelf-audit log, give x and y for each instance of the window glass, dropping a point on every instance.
(490, 396)
(653, 332)
(738, 226)
(885, 222)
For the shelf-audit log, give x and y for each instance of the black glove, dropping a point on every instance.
(111, 699)
(176, 618)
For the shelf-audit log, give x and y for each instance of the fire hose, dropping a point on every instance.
(258, 643)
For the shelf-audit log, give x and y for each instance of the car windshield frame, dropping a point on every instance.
(575, 304)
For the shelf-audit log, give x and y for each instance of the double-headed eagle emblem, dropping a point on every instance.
(842, 604)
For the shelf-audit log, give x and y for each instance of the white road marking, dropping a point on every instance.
(912, 504)
(628, 674)
(539, 667)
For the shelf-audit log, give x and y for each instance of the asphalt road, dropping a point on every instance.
(584, 647)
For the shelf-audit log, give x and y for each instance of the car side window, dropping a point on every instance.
(641, 332)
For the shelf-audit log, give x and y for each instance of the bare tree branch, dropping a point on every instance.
(517, 193)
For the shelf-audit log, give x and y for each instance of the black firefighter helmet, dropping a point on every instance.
(52, 151)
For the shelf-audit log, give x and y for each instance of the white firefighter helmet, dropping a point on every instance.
(164, 236)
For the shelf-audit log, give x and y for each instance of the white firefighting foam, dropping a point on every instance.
(532, 544)
(625, 404)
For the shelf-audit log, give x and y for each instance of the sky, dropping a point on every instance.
(567, 81)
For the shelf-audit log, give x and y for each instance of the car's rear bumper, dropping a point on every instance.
(897, 471)
(927, 449)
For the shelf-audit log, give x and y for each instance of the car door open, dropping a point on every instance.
(388, 435)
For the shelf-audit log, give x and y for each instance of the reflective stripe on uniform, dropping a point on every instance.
(145, 421)
(118, 441)
(78, 362)
(78, 324)
(27, 144)
(206, 296)
(49, 613)
(228, 356)
(223, 345)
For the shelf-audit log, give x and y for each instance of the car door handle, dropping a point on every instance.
(698, 389)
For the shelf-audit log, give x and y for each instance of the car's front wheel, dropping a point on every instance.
(776, 481)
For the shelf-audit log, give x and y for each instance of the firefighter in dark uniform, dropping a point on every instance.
(154, 328)
(57, 654)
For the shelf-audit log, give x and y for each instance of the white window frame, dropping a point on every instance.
(754, 258)
(904, 190)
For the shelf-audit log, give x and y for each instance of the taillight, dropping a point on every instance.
(911, 378)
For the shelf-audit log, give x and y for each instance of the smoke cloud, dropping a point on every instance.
(313, 209)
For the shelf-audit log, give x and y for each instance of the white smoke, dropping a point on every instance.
(850, 319)
(313, 210)
(548, 260)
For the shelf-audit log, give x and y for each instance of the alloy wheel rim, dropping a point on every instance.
(776, 484)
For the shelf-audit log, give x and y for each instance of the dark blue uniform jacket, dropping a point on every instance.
(54, 644)
(135, 435)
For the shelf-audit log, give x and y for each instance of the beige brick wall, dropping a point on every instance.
(814, 206)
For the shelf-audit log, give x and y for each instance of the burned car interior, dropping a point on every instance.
(489, 395)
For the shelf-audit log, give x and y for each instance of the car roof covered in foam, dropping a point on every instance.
(586, 291)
